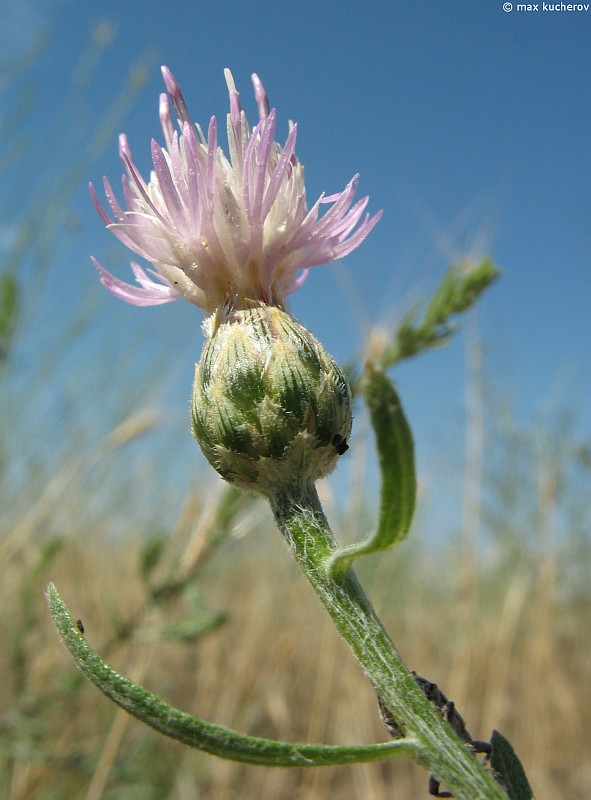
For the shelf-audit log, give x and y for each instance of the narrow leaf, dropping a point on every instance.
(150, 556)
(396, 457)
(459, 289)
(207, 736)
(189, 630)
(9, 309)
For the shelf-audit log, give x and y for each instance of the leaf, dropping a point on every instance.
(504, 761)
(150, 556)
(396, 457)
(9, 310)
(188, 630)
(207, 736)
(459, 289)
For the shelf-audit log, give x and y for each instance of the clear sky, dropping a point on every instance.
(470, 126)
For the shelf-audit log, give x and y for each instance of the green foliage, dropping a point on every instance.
(166, 583)
(429, 739)
(395, 447)
(28, 591)
(9, 307)
(505, 762)
(175, 580)
(461, 286)
(150, 557)
(305, 530)
(213, 739)
(232, 504)
(192, 629)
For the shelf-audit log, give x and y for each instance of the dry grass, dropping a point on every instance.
(507, 649)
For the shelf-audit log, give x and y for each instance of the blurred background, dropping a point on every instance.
(469, 125)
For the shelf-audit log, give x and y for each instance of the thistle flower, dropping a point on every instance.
(270, 407)
(222, 232)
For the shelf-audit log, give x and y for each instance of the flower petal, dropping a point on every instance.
(150, 293)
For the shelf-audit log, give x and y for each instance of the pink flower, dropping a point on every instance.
(221, 231)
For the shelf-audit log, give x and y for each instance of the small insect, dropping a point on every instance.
(340, 444)
(80, 625)
(448, 711)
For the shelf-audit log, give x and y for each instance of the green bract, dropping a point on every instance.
(270, 407)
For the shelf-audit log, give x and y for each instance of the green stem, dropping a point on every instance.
(304, 527)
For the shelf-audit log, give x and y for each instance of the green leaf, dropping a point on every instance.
(9, 309)
(150, 556)
(461, 286)
(215, 739)
(396, 457)
(504, 761)
(189, 630)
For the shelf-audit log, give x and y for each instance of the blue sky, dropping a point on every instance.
(469, 125)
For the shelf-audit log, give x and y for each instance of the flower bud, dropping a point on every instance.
(270, 407)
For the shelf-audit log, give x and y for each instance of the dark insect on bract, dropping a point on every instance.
(340, 444)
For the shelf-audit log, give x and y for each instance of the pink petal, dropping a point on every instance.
(149, 293)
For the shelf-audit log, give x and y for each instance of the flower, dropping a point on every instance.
(222, 232)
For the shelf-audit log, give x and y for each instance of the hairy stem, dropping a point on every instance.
(305, 529)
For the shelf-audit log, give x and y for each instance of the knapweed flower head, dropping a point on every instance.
(270, 407)
(225, 232)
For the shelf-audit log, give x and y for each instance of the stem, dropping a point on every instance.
(305, 529)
